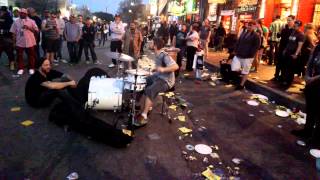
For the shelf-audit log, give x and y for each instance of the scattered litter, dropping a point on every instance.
(301, 121)
(205, 160)
(236, 160)
(161, 94)
(228, 85)
(215, 147)
(173, 107)
(189, 147)
(184, 152)
(251, 115)
(191, 158)
(215, 155)
(301, 143)
(203, 149)
(220, 163)
(15, 76)
(263, 82)
(185, 130)
(210, 175)
(180, 137)
(127, 132)
(182, 118)
(253, 103)
(211, 166)
(279, 126)
(236, 168)
(282, 113)
(186, 74)
(315, 153)
(189, 111)
(152, 160)
(169, 94)
(27, 123)
(73, 176)
(15, 109)
(261, 111)
(212, 84)
(261, 98)
(154, 136)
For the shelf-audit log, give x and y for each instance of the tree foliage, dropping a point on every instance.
(129, 12)
(104, 16)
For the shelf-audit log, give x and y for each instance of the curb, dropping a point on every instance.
(279, 97)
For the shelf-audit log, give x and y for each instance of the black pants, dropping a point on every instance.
(288, 69)
(191, 51)
(90, 46)
(73, 49)
(279, 65)
(6, 45)
(312, 96)
(273, 52)
(80, 49)
(116, 46)
(180, 55)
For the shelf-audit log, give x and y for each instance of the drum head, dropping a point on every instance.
(140, 72)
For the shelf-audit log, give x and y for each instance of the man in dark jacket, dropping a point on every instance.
(245, 50)
(173, 30)
(88, 36)
(6, 41)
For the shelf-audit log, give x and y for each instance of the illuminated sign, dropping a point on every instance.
(249, 8)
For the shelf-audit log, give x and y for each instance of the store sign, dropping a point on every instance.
(217, 1)
(191, 6)
(212, 12)
(227, 13)
(248, 2)
(175, 9)
(245, 17)
(249, 8)
(3, 2)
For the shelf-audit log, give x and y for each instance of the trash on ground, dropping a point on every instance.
(212, 84)
(173, 107)
(203, 149)
(251, 115)
(301, 121)
(282, 113)
(279, 126)
(15, 109)
(215, 147)
(184, 152)
(228, 85)
(73, 176)
(236, 160)
(189, 147)
(189, 111)
(210, 175)
(191, 158)
(205, 160)
(154, 136)
(27, 123)
(185, 130)
(315, 153)
(253, 103)
(215, 155)
(301, 143)
(261, 111)
(152, 160)
(127, 132)
(169, 94)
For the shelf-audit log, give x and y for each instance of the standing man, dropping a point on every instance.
(81, 24)
(46, 15)
(205, 34)
(117, 32)
(6, 41)
(173, 31)
(275, 28)
(291, 53)
(23, 30)
(33, 15)
(52, 32)
(72, 33)
(245, 50)
(62, 25)
(179, 41)
(88, 37)
(220, 35)
(132, 42)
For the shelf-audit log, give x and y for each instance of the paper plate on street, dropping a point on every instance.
(253, 103)
(315, 153)
(282, 113)
(301, 143)
(203, 149)
(260, 96)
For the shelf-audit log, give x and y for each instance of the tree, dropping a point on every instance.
(41, 5)
(104, 16)
(84, 11)
(130, 12)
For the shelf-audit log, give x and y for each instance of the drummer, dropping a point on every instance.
(161, 81)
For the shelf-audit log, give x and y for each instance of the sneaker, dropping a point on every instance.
(20, 72)
(111, 65)
(87, 62)
(55, 61)
(31, 71)
(140, 121)
(64, 61)
(121, 66)
(97, 62)
(11, 66)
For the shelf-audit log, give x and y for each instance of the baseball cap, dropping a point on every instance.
(23, 10)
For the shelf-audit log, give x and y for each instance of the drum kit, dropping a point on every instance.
(115, 93)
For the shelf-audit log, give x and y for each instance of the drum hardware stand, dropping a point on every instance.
(132, 112)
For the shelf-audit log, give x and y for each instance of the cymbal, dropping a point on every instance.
(122, 57)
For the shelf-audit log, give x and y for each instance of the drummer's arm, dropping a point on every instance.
(58, 85)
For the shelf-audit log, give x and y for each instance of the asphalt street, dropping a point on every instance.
(217, 115)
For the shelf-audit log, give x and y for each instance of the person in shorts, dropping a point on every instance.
(246, 48)
(161, 81)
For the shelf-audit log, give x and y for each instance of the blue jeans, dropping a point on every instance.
(73, 49)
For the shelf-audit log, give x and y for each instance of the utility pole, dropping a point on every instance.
(157, 7)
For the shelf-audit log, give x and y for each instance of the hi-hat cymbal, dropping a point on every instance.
(122, 57)
(139, 72)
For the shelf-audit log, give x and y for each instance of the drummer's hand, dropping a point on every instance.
(72, 84)
(160, 69)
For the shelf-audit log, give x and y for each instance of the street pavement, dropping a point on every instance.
(218, 116)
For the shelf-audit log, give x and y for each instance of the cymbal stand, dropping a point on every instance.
(132, 113)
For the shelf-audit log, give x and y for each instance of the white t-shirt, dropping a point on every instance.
(193, 39)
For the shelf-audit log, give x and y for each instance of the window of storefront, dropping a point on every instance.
(316, 15)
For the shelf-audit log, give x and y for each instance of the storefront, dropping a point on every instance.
(226, 18)
(212, 14)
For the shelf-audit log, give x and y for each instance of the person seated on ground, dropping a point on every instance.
(41, 88)
(311, 129)
(161, 81)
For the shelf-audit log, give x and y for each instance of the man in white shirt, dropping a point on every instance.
(117, 32)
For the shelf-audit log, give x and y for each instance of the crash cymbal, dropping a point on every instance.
(126, 58)
(113, 55)
(140, 72)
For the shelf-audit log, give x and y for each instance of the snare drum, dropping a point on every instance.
(105, 93)
(129, 81)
